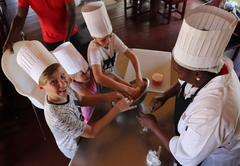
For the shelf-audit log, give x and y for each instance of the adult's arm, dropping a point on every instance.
(70, 7)
(150, 121)
(159, 101)
(16, 27)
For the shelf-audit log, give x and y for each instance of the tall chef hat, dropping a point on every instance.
(205, 33)
(70, 59)
(97, 19)
(34, 58)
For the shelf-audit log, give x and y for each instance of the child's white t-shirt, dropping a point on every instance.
(66, 123)
(105, 57)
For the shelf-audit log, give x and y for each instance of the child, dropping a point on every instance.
(80, 75)
(79, 72)
(102, 50)
(62, 105)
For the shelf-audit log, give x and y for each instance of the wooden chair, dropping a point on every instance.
(3, 1)
(131, 6)
(173, 6)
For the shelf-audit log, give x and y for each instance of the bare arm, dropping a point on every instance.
(97, 128)
(16, 27)
(132, 57)
(70, 7)
(110, 83)
(116, 78)
(95, 99)
(149, 121)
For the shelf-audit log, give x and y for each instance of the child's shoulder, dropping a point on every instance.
(93, 44)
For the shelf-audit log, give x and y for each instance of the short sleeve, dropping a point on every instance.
(23, 3)
(94, 55)
(68, 123)
(119, 46)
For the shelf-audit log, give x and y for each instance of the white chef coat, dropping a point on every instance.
(97, 53)
(210, 127)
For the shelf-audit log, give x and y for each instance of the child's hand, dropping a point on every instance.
(140, 84)
(123, 105)
(134, 93)
(114, 96)
(147, 120)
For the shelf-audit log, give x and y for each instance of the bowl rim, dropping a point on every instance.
(146, 89)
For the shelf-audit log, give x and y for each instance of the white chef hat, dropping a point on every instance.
(70, 59)
(97, 19)
(34, 58)
(204, 35)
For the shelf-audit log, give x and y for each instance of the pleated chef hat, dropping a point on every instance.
(204, 35)
(34, 58)
(97, 19)
(70, 59)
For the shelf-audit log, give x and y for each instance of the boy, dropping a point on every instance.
(102, 50)
(62, 105)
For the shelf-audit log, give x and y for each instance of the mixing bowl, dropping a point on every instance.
(144, 93)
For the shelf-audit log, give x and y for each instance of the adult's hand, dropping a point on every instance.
(147, 120)
(157, 102)
(8, 45)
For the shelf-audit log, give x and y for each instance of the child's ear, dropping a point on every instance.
(41, 88)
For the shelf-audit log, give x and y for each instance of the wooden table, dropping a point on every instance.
(123, 142)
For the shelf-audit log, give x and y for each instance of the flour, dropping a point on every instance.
(153, 157)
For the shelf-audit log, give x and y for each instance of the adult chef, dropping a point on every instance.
(207, 108)
(57, 19)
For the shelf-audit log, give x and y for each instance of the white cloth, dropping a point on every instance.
(97, 53)
(65, 124)
(203, 37)
(70, 59)
(97, 19)
(34, 58)
(212, 120)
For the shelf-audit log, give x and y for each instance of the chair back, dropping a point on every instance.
(22, 82)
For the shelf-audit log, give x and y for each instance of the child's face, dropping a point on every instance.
(83, 77)
(105, 41)
(56, 87)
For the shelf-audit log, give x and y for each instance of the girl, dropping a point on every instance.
(102, 50)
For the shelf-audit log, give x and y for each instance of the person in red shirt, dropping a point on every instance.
(57, 19)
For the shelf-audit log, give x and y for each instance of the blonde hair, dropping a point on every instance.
(71, 77)
(48, 72)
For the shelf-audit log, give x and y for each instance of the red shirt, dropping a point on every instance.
(52, 16)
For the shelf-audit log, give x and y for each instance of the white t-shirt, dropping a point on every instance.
(210, 127)
(105, 57)
(66, 123)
